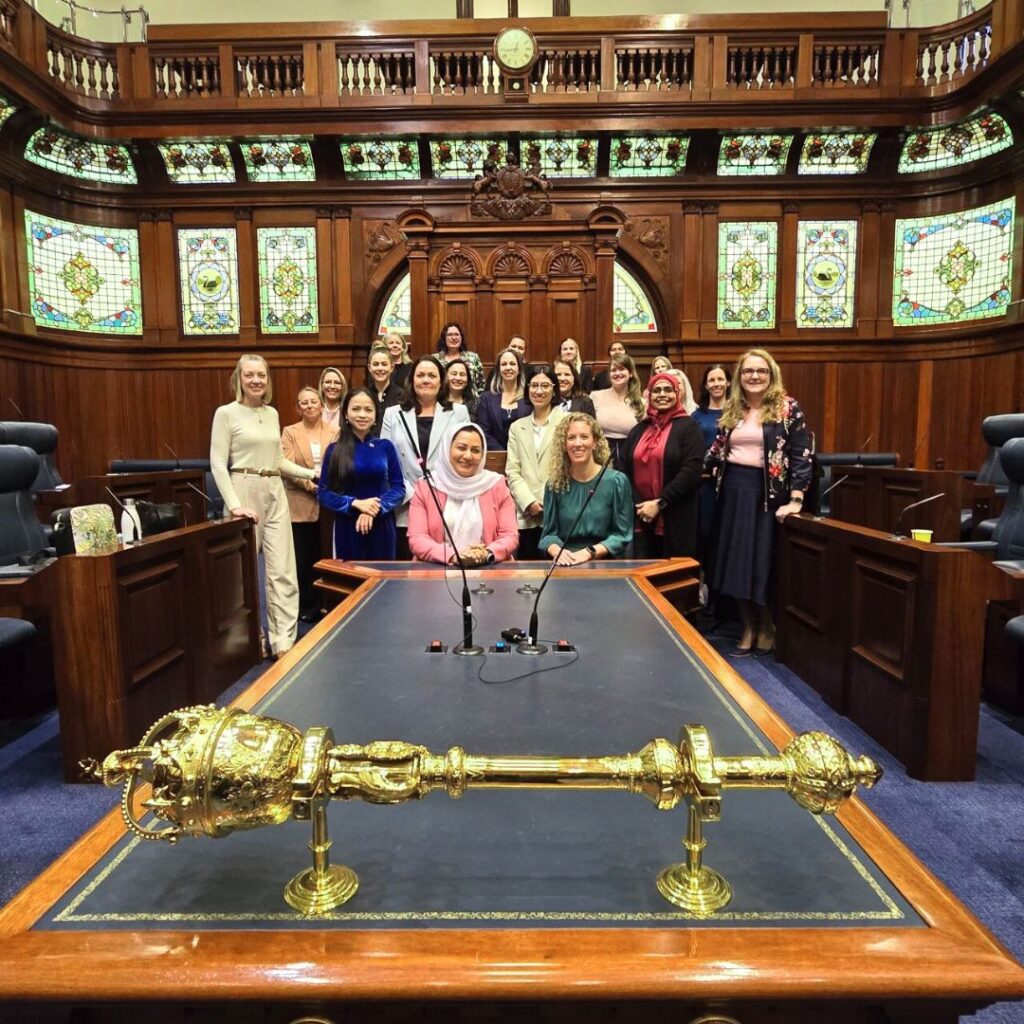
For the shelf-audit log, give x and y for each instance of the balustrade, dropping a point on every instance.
(188, 76)
(88, 69)
(839, 65)
(956, 52)
(462, 72)
(269, 74)
(567, 70)
(653, 68)
(761, 66)
(370, 72)
(8, 18)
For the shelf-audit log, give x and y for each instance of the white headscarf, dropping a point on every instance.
(686, 398)
(462, 510)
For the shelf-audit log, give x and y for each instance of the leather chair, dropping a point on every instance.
(826, 461)
(215, 504)
(42, 439)
(22, 537)
(996, 430)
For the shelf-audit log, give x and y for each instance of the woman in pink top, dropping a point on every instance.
(476, 504)
(619, 408)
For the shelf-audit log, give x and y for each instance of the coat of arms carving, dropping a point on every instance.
(510, 192)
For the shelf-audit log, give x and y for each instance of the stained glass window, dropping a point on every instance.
(380, 159)
(83, 278)
(464, 158)
(7, 108)
(208, 273)
(288, 159)
(195, 162)
(974, 139)
(561, 156)
(287, 266)
(648, 156)
(753, 154)
(826, 266)
(632, 310)
(953, 267)
(397, 315)
(747, 254)
(836, 152)
(76, 157)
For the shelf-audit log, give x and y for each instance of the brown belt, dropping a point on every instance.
(258, 472)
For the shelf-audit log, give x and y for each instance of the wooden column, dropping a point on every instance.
(341, 219)
(248, 275)
(325, 275)
(785, 261)
(869, 284)
(419, 302)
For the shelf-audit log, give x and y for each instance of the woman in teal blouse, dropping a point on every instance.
(578, 451)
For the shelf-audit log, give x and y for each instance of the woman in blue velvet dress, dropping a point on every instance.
(362, 484)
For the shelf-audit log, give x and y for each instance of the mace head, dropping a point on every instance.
(823, 773)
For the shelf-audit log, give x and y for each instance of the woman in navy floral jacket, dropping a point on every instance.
(761, 463)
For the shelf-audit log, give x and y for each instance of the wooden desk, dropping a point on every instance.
(927, 960)
(168, 485)
(170, 621)
(891, 634)
(874, 496)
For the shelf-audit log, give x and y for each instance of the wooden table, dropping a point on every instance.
(927, 959)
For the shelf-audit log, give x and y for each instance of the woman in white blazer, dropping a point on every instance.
(526, 464)
(416, 427)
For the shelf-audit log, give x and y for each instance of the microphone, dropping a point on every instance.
(16, 406)
(467, 647)
(896, 535)
(828, 490)
(530, 645)
(860, 451)
(177, 461)
(200, 492)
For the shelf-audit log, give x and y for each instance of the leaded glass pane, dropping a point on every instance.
(826, 266)
(836, 152)
(974, 139)
(380, 159)
(561, 156)
(287, 268)
(648, 156)
(953, 267)
(397, 315)
(196, 162)
(631, 312)
(208, 271)
(76, 157)
(753, 154)
(464, 158)
(747, 254)
(289, 159)
(83, 278)
(7, 108)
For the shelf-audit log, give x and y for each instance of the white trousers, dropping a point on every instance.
(265, 495)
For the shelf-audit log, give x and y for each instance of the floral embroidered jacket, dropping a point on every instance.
(787, 455)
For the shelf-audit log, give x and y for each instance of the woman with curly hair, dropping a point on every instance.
(579, 450)
(761, 463)
(620, 407)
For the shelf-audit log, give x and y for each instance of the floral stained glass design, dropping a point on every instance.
(464, 158)
(278, 160)
(953, 267)
(287, 267)
(648, 156)
(747, 256)
(753, 154)
(836, 152)
(631, 312)
(208, 273)
(826, 261)
(380, 159)
(83, 278)
(195, 162)
(963, 143)
(397, 315)
(7, 108)
(76, 157)
(561, 156)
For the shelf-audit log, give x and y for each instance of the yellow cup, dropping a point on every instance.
(924, 536)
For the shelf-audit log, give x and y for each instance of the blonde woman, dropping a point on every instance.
(401, 364)
(331, 389)
(247, 462)
(620, 407)
(569, 351)
(579, 451)
(761, 463)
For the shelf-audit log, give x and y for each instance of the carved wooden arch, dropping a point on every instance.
(459, 262)
(566, 260)
(511, 261)
(379, 286)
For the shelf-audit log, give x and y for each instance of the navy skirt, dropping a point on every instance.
(744, 535)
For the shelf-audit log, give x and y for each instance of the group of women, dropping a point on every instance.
(625, 469)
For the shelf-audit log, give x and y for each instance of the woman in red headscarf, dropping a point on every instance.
(662, 456)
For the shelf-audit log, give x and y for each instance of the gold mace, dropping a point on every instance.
(215, 771)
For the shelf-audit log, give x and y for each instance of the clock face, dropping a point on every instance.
(515, 48)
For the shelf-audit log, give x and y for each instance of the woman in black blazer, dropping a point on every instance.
(571, 396)
(662, 456)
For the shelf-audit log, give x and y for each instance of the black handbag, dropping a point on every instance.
(159, 517)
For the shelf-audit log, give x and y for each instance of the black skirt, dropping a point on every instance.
(744, 535)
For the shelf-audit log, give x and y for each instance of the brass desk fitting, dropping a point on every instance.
(216, 771)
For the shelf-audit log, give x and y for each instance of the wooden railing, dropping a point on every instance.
(795, 57)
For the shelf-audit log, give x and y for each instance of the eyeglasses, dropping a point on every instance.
(540, 387)
(663, 391)
(755, 373)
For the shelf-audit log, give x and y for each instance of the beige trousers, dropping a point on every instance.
(265, 495)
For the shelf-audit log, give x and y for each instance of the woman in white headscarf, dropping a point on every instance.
(475, 502)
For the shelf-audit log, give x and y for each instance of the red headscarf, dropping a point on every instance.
(652, 440)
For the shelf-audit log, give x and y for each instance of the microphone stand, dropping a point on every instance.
(177, 461)
(530, 645)
(467, 647)
(827, 492)
(896, 535)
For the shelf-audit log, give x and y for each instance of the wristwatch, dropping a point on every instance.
(662, 504)
(592, 550)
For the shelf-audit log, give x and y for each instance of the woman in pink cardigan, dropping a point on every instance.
(476, 503)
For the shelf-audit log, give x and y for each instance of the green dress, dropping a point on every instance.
(608, 519)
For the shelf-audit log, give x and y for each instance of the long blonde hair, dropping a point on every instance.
(235, 383)
(558, 464)
(344, 384)
(774, 403)
(634, 393)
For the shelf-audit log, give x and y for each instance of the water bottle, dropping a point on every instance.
(131, 525)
